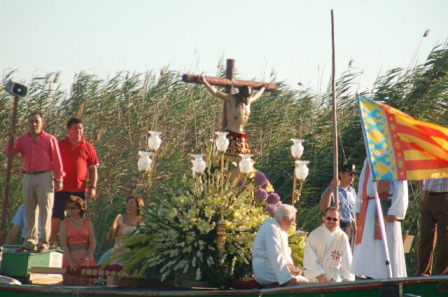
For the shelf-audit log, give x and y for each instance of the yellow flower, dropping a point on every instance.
(192, 213)
(270, 188)
(208, 211)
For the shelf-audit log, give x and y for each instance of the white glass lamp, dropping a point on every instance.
(301, 171)
(154, 140)
(222, 143)
(297, 148)
(246, 165)
(198, 164)
(144, 162)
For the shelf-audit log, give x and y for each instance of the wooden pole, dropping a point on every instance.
(294, 185)
(230, 74)
(151, 171)
(380, 217)
(8, 169)
(222, 185)
(335, 118)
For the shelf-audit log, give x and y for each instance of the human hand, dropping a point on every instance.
(391, 218)
(295, 271)
(86, 261)
(59, 184)
(91, 193)
(335, 182)
(72, 264)
(322, 279)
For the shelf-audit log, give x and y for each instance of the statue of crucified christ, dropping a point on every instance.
(237, 114)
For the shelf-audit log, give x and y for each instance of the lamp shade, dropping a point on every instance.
(301, 170)
(198, 164)
(144, 162)
(246, 165)
(222, 142)
(154, 140)
(297, 148)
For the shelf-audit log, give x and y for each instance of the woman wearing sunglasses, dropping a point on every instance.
(77, 236)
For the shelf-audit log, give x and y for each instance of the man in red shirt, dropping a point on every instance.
(40, 153)
(80, 161)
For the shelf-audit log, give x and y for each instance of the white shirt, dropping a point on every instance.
(271, 254)
(369, 256)
(315, 264)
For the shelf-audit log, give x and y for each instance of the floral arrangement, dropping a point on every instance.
(265, 193)
(297, 240)
(179, 235)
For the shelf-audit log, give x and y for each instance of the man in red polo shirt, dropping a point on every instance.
(80, 161)
(41, 159)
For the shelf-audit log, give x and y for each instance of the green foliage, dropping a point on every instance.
(119, 111)
(297, 241)
(179, 234)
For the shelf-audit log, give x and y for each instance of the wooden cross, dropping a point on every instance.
(228, 82)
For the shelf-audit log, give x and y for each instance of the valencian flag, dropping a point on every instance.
(401, 147)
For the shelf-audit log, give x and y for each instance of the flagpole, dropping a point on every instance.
(379, 212)
(335, 118)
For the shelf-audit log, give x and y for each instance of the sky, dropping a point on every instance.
(288, 38)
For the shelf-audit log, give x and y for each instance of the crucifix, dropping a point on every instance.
(236, 108)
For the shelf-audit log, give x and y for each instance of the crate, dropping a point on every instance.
(17, 264)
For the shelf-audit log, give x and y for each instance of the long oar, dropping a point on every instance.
(335, 117)
(10, 148)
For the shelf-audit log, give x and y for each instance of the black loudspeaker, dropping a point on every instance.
(16, 89)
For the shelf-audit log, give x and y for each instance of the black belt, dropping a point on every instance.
(344, 224)
(34, 172)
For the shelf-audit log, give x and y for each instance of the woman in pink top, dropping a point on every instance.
(124, 225)
(77, 236)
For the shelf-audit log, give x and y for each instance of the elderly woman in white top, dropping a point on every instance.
(271, 255)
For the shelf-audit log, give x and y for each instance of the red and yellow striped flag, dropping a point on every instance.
(401, 147)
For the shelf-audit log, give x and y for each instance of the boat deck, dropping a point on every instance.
(419, 286)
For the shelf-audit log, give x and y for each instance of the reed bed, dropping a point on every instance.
(119, 111)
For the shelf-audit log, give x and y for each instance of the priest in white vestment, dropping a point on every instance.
(328, 255)
(271, 255)
(369, 255)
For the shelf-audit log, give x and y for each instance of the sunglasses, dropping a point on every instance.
(71, 207)
(332, 219)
